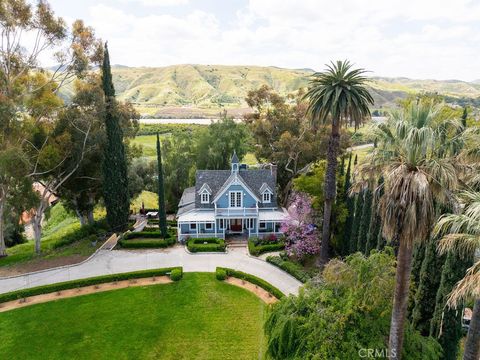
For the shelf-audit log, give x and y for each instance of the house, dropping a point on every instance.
(239, 201)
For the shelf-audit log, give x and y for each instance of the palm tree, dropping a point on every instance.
(339, 96)
(417, 170)
(463, 235)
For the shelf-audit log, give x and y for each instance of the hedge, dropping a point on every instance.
(254, 280)
(148, 234)
(146, 243)
(212, 245)
(45, 289)
(290, 267)
(220, 274)
(176, 274)
(256, 250)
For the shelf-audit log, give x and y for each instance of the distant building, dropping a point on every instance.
(239, 201)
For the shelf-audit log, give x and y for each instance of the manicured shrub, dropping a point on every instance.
(257, 247)
(290, 267)
(254, 280)
(19, 294)
(148, 235)
(145, 243)
(176, 274)
(205, 245)
(220, 274)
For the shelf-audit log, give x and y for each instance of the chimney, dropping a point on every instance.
(273, 171)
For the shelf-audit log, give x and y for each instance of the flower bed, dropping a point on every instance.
(258, 246)
(205, 245)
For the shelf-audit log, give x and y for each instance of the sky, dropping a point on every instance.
(422, 39)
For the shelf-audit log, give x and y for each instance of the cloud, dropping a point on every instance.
(158, 2)
(427, 39)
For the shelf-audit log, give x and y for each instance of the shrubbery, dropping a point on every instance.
(176, 274)
(254, 280)
(290, 267)
(147, 239)
(19, 294)
(220, 274)
(205, 245)
(258, 246)
(89, 231)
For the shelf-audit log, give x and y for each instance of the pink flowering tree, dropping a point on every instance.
(302, 238)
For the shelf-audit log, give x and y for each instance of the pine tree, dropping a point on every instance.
(115, 185)
(446, 323)
(376, 220)
(365, 221)
(162, 215)
(350, 204)
(356, 222)
(428, 283)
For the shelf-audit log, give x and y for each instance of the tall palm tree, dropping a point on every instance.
(417, 170)
(339, 96)
(463, 235)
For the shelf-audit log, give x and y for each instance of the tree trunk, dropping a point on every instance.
(400, 300)
(90, 217)
(81, 217)
(37, 226)
(330, 191)
(3, 248)
(472, 345)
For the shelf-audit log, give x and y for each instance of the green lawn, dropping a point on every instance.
(148, 143)
(196, 318)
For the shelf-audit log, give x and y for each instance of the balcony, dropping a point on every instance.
(236, 212)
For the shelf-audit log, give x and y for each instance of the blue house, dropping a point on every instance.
(239, 201)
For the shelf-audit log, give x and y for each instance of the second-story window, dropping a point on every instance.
(235, 199)
(267, 197)
(205, 196)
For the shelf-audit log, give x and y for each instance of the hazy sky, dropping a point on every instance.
(437, 39)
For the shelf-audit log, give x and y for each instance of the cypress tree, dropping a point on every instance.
(350, 204)
(428, 283)
(115, 182)
(162, 215)
(365, 221)
(376, 220)
(446, 324)
(356, 222)
(464, 117)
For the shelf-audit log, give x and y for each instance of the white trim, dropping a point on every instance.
(193, 228)
(269, 193)
(234, 179)
(204, 188)
(260, 223)
(221, 224)
(207, 200)
(208, 228)
(236, 192)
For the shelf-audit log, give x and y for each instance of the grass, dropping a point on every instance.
(148, 144)
(150, 200)
(198, 318)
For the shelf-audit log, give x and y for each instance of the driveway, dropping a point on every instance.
(118, 261)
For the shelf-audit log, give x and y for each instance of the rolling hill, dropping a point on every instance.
(205, 90)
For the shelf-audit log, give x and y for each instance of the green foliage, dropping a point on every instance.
(176, 274)
(195, 245)
(146, 243)
(375, 228)
(366, 215)
(19, 294)
(290, 267)
(356, 222)
(220, 274)
(91, 232)
(254, 280)
(115, 180)
(162, 215)
(257, 247)
(336, 317)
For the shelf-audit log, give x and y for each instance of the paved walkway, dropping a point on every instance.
(118, 261)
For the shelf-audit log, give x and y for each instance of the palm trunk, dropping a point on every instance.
(472, 345)
(330, 191)
(3, 248)
(400, 300)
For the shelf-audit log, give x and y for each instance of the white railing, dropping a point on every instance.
(231, 212)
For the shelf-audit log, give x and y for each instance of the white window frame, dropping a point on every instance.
(250, 223)
(236, 198)
(262, 225)
(205, 197)
(266, 197)
(193, 226)
(208, 226)
(221, 224)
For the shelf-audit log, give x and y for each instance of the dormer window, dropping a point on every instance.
(205, 197)
(267, 197)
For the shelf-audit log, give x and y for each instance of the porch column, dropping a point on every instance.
(215, 227)
(196, 228)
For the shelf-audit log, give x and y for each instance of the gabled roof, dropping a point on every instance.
(234, 159)
(233, 179)
(264, 188)
(206, 188)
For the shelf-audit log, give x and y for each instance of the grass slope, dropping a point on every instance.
(195, 318)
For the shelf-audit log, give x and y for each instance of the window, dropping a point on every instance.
(267, 197)
(208, 226)
(205, 197)
(193, 226)
(250, 223)
(235, 199)
(221, 224)
(262, 225)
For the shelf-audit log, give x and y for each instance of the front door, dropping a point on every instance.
(236, 225)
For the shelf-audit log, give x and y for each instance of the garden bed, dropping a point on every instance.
(258, 246)
(195, 245)
(147, 239)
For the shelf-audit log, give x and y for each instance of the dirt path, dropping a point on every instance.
(38, 299)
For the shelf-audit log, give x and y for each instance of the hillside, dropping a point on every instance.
(204, 90)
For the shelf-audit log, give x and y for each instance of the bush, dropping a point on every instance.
(19, 294)
(176, 274)
(145, 243)
(254, 280)
(290, 267)
(205, 245)
(148, 235)
(257, 247)
(220, 274)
